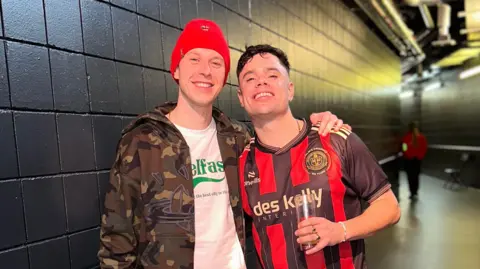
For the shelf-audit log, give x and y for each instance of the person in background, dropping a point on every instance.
(414, 148)
(287, 158)
(173, 199)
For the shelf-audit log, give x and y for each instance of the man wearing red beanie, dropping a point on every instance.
(174, 199)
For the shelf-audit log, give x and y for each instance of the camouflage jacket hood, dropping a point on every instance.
(148, 221)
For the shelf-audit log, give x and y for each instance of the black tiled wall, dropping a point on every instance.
(73, 73)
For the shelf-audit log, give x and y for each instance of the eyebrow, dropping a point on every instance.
(273, 69)
(218, 58)
(268, 69)
(196, 54)
(248, 73)
(193, 53)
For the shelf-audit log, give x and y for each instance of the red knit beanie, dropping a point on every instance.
(200, 33)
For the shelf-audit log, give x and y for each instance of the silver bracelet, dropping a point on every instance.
(344, 231)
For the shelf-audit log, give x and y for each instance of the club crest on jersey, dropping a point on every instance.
(317, 161)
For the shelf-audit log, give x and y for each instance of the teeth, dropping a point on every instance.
(203, 85)
(258, 95)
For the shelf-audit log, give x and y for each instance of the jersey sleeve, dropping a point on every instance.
(360, 167)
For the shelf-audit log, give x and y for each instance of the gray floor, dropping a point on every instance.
(440, 230)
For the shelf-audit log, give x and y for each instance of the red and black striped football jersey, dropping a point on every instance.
(337, 169)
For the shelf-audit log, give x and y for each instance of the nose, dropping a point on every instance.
(261, 81)
(205, 68)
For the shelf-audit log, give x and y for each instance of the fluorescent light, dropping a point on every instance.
(474, 15)
(470, 72)
(406, 94)
(432, 86)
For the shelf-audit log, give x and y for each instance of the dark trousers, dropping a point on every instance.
(412, 167)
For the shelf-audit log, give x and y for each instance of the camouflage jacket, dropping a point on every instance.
(149, 206)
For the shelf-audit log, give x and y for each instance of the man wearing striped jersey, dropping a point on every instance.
(287, 157)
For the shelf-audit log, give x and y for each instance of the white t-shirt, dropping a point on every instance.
(216, 241)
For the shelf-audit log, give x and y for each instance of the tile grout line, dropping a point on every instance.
(36, 242)
(61, 174)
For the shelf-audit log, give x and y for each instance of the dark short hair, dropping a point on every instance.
(412, 125)
(261, 49)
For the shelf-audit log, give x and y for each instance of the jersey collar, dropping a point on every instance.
(294, 142)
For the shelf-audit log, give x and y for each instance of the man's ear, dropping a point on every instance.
(176, 74)
(240, 96)
(291, 91)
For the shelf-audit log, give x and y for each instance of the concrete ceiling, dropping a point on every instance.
(464, 14)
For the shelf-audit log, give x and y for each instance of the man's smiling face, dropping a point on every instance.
(265, 86)
(200, 74)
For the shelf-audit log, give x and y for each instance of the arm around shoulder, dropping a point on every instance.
(118, 241)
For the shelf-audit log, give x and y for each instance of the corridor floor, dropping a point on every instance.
(440, 230)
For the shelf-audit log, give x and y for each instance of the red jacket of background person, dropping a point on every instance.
(414, 149)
